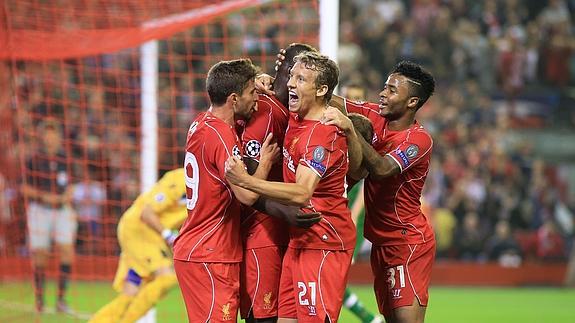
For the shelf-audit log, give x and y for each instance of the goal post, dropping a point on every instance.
(123, 79)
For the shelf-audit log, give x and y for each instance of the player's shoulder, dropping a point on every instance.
(271, 103)
(418, 132)
(174, 175)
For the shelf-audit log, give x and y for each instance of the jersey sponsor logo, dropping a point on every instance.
(396, 293)
(288, 160)
(253, 148)
(318, 154)
(403, 157)
(317, 166)
(236, 152)
(412, 151)
(160, 197)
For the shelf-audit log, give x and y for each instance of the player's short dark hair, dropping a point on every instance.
(295, 49)
(227, 77)
(328, 71)
(362, 125)
(421, 85)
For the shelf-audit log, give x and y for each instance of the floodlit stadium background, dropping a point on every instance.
(502, 119)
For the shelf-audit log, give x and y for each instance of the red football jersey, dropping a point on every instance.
(371, 111)
(393, 207)
(323, 149)
(211, 232)
(257, 229)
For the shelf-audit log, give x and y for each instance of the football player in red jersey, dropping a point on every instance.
(315, 267)
(265, 238)
(398, 162)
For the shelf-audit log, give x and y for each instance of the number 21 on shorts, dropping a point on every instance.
(304, 298)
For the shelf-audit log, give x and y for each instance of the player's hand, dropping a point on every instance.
(235, 170)
(280, 59)
(303, 217)
(264, 83)
(270, 152)
(332, 116)
(169, 236)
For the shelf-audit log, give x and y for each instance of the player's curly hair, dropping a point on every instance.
(328, 71)
(421, 85)
(227, 77)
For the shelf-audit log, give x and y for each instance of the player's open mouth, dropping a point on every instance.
(293, 98)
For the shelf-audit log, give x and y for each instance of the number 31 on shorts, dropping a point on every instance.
(392, 274)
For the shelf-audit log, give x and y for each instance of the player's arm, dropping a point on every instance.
(151, 219)
(378, 166)
(269, 153)
(333, 116)
(298, 193)
(338, 102)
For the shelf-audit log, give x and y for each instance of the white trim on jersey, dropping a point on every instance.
(335, 231)
(213, 292)
(395, 204)
(257, 281)
(408, 274)
(325, 254)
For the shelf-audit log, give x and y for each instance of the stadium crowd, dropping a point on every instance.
(489, 197)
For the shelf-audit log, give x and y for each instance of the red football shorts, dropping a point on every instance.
(313, 284)
(259, 281)
(401, 272)
(210, 290)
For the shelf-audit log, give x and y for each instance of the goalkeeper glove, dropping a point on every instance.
(169, 236)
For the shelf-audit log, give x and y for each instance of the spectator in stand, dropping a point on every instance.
(88, 197)
(502, 247)
(469, 238)
(49, 215)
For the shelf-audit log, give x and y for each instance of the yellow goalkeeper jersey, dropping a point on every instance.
(168, 200)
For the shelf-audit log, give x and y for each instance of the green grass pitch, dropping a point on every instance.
(469, 305)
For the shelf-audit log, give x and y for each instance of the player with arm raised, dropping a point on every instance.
(403, 241)
(264, 237)
(315, 267)
(146, 232)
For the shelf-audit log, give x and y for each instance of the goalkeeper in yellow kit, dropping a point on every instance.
(146, 234)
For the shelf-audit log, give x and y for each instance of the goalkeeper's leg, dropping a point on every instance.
(114, 310)
(149, 295)
(352, 303)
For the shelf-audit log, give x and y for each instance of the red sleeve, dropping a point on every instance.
(415, 149)
(270, 117)
(326, 148)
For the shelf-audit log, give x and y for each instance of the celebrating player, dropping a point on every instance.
(403, 241)
(146, 233)
(208, 250)
(315, 267)
(265, 238)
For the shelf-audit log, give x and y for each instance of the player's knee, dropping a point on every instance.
(132, 283)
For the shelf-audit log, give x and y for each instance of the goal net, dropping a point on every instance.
(77, 66)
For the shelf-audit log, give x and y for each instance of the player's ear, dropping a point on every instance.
(412, 102)
(232, 98)
(321, 90)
